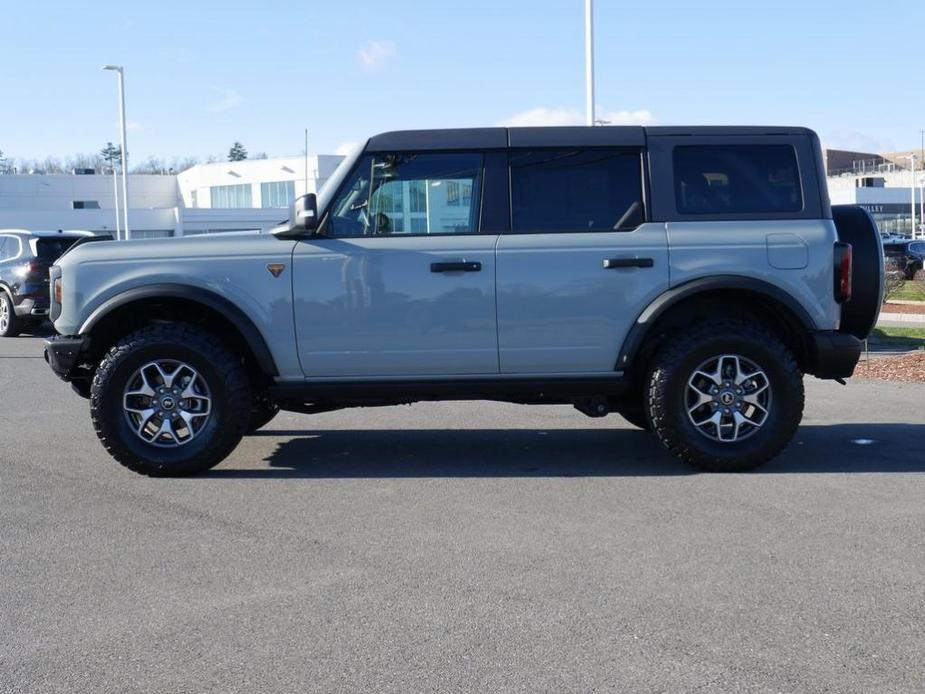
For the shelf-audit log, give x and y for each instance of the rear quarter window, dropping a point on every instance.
(737, 179)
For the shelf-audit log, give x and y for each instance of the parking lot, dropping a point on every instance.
(462, 546)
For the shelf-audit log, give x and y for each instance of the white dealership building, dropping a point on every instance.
(227, 196)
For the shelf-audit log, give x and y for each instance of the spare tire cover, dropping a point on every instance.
(857, 227)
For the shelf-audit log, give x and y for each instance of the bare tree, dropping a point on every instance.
(178, 164)
(151, 165)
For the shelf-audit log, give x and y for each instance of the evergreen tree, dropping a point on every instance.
(111, 154)
(237, 152)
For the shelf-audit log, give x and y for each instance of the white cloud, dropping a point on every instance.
(229, 99)
(133, 126)
(570, 116)
(375, 53)
(346, 148)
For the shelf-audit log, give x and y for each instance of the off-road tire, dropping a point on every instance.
(14, 323)
(222, 370)
(262, 413)
(666, 395)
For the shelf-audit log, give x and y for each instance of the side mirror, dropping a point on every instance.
(303, 216)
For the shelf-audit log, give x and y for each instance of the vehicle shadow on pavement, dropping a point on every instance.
(843, 448)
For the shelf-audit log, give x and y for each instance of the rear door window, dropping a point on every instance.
(737, 179)
(574, 190)
(49, 250)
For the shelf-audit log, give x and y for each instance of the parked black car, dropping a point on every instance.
(907, 256)
(25, 257)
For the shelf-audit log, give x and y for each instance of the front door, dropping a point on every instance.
(400, 282)
(580, 263)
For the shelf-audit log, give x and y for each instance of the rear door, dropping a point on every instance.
(580, 262)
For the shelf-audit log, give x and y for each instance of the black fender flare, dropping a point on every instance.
(636, 336)
(252, 336)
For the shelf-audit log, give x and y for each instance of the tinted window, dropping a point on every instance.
(394, 194)
(737, 179)
(51, 249)
(575, 190)
(2, 248)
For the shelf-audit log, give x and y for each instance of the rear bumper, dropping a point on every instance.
(31, 306)
(833, 354)
(62, 353)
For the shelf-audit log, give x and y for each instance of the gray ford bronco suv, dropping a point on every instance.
(685, 278)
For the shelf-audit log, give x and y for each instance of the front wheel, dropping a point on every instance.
(725, 397)
(170, 399)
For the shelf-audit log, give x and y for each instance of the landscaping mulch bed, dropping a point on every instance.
(908, 368)
(903, 308)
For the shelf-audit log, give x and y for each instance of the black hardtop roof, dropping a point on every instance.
(558, 136)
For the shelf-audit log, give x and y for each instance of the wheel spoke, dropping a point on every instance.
(144, 416)
(166, 378)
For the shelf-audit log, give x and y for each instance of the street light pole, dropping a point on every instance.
(922, 190)
(589, 61)
(118, 69)
(911, 159)
(115, 197)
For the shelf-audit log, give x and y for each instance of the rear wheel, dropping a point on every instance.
(170, 399)
(10, 324)
(725, 397)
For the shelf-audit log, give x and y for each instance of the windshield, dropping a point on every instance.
(49, 250)
(330, 186)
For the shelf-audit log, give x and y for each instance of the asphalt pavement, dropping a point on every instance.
(462, 547)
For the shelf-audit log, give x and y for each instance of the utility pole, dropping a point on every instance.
(589, 61)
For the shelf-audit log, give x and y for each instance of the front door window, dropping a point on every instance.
(409, 194)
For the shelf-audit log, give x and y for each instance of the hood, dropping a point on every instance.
(233, 243)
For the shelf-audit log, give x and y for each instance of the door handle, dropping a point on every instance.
(462, 266)
(612, 263)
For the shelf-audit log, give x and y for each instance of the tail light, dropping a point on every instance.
(57, 291)
(843, 267)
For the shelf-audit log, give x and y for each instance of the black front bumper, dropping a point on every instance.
(833, 354)
(62, 353)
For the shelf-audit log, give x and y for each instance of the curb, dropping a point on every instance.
(913, 318)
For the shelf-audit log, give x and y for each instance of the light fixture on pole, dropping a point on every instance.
(589, 61)
(118, 69)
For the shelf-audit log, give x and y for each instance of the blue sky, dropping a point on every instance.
(200, 75)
